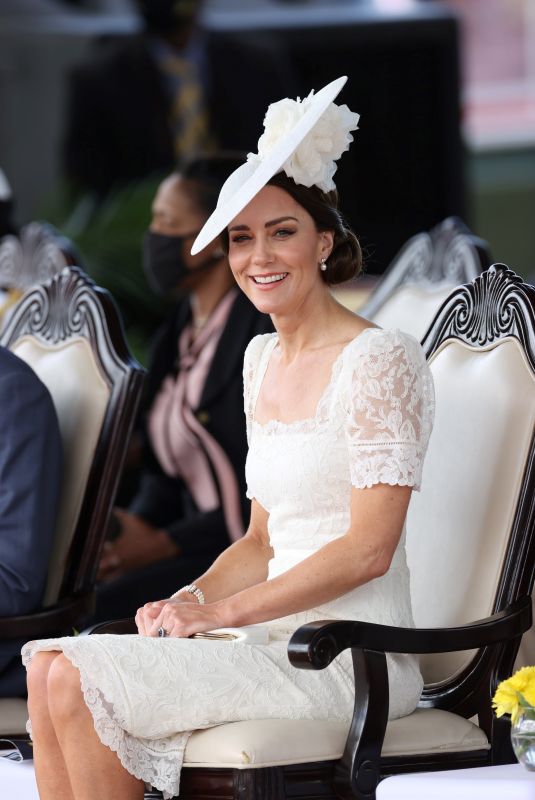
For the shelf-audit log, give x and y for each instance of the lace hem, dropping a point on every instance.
(157, 763)
(389, 480)
(396, 465)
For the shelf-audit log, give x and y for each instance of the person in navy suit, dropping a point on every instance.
(30, 480)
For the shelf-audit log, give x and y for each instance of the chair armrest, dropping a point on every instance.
(127, 625)
(315, 645)
(57, 620)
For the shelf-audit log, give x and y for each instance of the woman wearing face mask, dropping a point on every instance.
(191, 500)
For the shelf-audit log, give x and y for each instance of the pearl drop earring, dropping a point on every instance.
(323, 265)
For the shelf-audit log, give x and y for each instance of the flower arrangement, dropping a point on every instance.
(313, 161)
(516, 697)
(515, 694)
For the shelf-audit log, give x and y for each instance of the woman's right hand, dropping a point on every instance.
(179, 618)
(147, 614)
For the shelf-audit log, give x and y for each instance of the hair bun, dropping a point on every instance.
(345, 261)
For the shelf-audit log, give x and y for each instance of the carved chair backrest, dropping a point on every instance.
(34, 256)
(423, 274)
(471, 530)
(70, 333)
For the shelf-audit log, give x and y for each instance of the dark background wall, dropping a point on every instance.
(403, 174)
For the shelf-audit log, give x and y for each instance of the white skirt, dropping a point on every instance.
(147, 695)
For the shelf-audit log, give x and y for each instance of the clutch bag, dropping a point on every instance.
(250, 634)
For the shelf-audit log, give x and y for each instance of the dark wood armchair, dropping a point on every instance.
(70, 332)
(471, 550)
(423, 274)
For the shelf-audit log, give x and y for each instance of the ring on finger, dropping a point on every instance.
(162, 633)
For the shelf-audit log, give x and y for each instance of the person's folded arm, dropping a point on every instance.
(200, 534)
(158, 498)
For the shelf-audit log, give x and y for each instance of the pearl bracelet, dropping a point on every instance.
(192, 589)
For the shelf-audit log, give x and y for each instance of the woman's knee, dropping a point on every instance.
(37, 682)
(65, 699)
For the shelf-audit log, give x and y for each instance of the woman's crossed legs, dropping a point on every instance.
(71, 763)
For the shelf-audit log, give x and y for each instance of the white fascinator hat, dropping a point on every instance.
(302, 138)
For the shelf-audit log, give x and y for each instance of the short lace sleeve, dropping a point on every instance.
(389, 400)
(252, 361)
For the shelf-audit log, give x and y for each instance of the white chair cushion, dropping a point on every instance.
(459, 524)
(275, 742)
(272, 742)
(13, 716)
(81, 395)
(411, 308)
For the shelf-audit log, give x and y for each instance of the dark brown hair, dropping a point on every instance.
(345, 261)
(206, 174)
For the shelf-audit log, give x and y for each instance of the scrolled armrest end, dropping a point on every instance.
(316, 644)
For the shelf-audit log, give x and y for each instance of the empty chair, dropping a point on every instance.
(34, 256)
(423, 274)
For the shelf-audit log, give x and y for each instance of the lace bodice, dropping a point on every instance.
(372, 425)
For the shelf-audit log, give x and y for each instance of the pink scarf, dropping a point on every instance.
(181, 443)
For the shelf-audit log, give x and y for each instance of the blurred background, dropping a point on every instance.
(446, 93)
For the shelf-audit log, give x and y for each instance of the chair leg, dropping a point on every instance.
(266, 783)
(502, 749)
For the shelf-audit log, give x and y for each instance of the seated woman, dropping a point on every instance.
(190, 503)
(338, 414)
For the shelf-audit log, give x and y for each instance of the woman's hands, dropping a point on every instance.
(178, 617)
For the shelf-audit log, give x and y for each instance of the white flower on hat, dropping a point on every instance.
(301, 137)
(313, 160)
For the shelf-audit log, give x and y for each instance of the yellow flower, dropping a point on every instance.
(511, 692)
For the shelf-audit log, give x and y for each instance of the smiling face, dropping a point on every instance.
(275, 251)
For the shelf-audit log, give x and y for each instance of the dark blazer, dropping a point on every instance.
(117, 116)
(164, 501)
(30, 479)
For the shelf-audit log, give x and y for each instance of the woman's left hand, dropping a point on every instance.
(177, 618)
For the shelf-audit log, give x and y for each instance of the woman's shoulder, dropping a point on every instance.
(381, 364)
(257, 347)
(252, 360)
(373, 342)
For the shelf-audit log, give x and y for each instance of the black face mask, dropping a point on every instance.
(164, 264)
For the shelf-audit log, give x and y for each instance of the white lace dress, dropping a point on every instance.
(372, 425)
